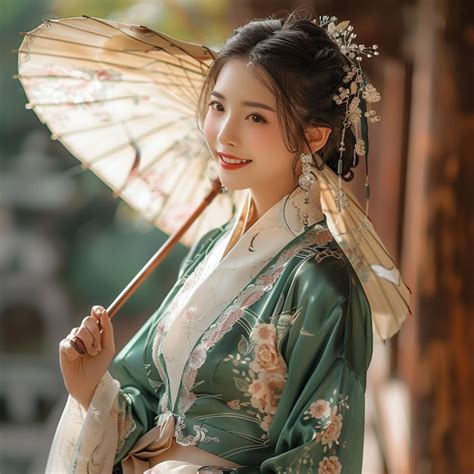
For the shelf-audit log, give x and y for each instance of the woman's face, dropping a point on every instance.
(242, 121)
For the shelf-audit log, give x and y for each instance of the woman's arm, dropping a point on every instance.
(319, 424)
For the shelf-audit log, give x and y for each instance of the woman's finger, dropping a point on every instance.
(96, 311)
(77, 344)
(107, 332)
(87, 339)
(92, 326)
(65, 348)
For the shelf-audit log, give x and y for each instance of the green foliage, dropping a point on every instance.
(15, 16)
(102, 8)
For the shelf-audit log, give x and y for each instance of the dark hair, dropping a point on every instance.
(306, 69)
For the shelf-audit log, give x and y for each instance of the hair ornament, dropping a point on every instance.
(356, 93)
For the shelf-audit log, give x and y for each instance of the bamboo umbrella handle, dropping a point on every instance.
(154, 261)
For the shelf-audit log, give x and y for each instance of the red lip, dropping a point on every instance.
(229, 166)
(227, 155)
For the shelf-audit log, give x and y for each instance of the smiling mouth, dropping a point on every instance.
(232, 161)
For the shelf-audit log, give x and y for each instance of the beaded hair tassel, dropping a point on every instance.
(357, 95)
(306, 181)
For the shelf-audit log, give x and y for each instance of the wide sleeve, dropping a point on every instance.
(124, 403)
(137, 402)
(326, 343)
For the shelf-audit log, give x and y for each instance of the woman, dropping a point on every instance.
(257, 358)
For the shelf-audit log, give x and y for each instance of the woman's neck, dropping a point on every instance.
(265, 199)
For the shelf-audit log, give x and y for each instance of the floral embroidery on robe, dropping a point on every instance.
(265, 379)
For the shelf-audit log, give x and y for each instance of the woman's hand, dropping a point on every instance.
(82, 373)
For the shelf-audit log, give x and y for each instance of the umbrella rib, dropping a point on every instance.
(167, 198)
(374, 254)
(375, 237)
(89, 60)
(157, 158)
(353, 201)
(73, 27)
(39, 76)
(194, 92)
(80, 167)
(125, 145)
(201, 221)
(379, 284)
(378, 243)
(207, 66)
(154, 161)
(103, 48)
(182, 49)
(185, 92)
(103, 35)
(147, 43)
(190, 108)
(162, 91)
(86, 102)
(210, 52)
(186, 105)
(99, 101)
(58, 136)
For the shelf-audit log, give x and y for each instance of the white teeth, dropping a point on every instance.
(232, 161)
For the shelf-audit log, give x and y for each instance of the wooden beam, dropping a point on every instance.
(436, 347)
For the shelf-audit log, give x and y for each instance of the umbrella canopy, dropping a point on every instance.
(122, 99)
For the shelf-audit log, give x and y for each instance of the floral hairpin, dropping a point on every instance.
(354, 93)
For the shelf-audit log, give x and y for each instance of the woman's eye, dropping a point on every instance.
(217, 106)
(213, 103)
(257, 118)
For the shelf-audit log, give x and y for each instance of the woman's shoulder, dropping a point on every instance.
(324, 267)
(327, 269)
(327, 284)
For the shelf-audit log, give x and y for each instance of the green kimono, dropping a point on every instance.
(260, 356)
(277, 381)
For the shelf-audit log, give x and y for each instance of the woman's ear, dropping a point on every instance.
(317, 137)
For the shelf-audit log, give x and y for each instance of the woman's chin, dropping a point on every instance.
(233, 184)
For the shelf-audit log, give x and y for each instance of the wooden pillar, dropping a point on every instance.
(436, 348)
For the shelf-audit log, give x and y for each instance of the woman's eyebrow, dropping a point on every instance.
(250, 104)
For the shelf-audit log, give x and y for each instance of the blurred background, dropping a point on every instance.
(66, 243)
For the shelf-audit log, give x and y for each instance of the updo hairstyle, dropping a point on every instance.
(305, 67)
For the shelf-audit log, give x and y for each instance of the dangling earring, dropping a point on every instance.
(306, 181)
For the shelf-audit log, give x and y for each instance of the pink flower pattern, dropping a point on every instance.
(320, 408)
(332, 430)
(265, 377)
(234, 404)
(327, 417)
(329, 465)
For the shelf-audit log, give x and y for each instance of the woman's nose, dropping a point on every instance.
(228, 133)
